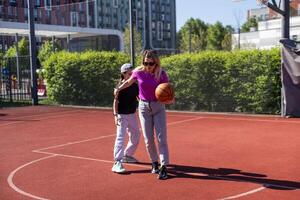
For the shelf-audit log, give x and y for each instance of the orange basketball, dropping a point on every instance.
(164, 92)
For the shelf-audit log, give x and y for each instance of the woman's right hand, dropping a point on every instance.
(116, 92)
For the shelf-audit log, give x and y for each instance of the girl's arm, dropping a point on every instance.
(115, 110)
(115, 107)
(124, 85)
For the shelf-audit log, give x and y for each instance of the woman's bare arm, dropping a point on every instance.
(124, 85)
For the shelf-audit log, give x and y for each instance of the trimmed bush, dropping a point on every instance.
(83, 78)
(238, 81)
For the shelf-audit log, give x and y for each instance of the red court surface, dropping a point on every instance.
(64, 153)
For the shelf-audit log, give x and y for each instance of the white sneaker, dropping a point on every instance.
(129, 159)
(118, 167)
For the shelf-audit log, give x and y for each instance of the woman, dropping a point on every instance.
(124, 108)
(151, 112)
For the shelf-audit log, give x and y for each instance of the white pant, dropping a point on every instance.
(127, 124)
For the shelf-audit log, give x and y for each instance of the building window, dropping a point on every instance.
(74, 18)
(35, 14)
(168, 26)
(153, 25)
(10, 11)
(160, 31)
(48, 4)
(38, 3)
(115, 3)
(12, 2)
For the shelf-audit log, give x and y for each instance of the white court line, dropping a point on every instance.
(244, 194)
(41, 118)
(14, 187)
(76, 142)
(110, 162)
(255, 120)
(106, 136)
(38, 115)
(11, 175)
(239, 118)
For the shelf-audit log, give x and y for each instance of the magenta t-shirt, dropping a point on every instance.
(147, 84)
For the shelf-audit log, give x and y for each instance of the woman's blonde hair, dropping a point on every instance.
(152, 54)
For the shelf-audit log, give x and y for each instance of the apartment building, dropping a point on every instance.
(89, 16)
(162, 19)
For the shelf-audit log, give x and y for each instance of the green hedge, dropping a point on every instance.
(83, 78)
(238, 81)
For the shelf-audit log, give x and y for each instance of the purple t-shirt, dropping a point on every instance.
(147, 84)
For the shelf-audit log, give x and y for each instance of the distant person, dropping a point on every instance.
(124, 108)
(151, 112)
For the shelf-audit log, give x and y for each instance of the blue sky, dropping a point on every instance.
(211, 11)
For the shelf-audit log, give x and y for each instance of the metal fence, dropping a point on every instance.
(15, 79)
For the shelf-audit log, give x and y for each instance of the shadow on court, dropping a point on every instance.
(225, 174)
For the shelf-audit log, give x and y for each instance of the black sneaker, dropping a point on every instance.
(163, 173)
(154, 169)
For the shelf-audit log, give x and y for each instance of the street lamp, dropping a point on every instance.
(146, 27)
(131, 33)
(32, 45)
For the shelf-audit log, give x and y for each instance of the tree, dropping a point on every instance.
(227, 41)
(250, 23)
(215, 36)
(46, 50)
(137, 40)
(23, 50)
(22, 47)
(192, 36)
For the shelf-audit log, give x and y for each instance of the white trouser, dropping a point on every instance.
(127, 123)
(153, 116)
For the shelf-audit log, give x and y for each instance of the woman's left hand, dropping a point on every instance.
(170, 102)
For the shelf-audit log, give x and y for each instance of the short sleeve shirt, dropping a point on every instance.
(127, 100)
(147, 84)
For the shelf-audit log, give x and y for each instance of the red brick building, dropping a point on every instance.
(54, 12)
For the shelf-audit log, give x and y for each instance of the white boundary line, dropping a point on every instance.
(241, 118)
(51, 155)
(71, 143)
(244, 194)
(38, 115)
(34, 117)
(11, 176)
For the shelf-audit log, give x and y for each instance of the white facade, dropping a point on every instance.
(259, 13)
(267, 36)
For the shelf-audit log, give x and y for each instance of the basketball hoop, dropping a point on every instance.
(262, 2)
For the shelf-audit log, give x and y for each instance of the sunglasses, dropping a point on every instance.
(149, 63)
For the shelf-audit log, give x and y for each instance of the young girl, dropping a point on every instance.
(151, 112)
(124, 108)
